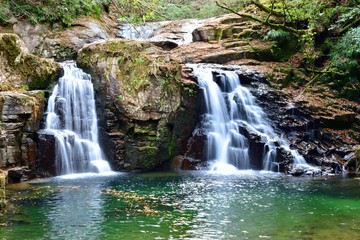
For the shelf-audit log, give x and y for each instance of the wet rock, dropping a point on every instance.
(256, 150)
(256, 147)
(297, 171)
(343, 121)
(197, 144)
(46, 145)
(184, 163)
(15, 175)
(353, 164)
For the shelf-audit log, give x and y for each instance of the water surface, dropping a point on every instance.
(189, 205)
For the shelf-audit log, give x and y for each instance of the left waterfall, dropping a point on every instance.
(71, 118)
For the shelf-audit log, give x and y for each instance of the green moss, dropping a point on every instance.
(143, 157)
(31, 71)
(218, 34)
(133, 67)
(9, 43)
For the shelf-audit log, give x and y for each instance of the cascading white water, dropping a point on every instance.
(228, 106)
(71, 118)
(179, 32)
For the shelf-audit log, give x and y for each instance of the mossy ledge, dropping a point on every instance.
(21, 70)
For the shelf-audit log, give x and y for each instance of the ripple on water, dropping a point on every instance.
(186, 205)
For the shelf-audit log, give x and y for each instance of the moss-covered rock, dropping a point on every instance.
(20, 70)
(146, 85)
(141, 89)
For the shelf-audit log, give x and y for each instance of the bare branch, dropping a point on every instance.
(350, 25)
(269, 24)
(271, 11)
(266, 9)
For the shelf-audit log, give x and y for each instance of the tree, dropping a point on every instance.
(65, 11)
(318, 26)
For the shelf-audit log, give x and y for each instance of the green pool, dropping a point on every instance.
(188, 205)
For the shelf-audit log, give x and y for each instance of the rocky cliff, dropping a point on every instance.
(21, 109)
(144, 102)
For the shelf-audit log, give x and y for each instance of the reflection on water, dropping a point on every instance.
(74, 211)
(190, 205)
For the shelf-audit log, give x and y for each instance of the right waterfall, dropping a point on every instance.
(231, 118)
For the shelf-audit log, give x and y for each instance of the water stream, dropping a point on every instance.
(71, 118)
(179, 32)
(230, 107)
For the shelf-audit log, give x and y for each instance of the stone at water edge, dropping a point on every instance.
(353, 165)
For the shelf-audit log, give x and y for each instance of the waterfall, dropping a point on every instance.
(71, 118)
(231, 116)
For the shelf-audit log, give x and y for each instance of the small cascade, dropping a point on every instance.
(71, 118)
(179, 32)
(232, 117)
(142, 32)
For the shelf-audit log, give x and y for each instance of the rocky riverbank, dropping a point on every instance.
(148, 100)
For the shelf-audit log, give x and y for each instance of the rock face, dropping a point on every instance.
(21, 111)
(309, 134)
(147, 109)
(226, 39)
(20, 114)
(58, 43)
(46, 156)
(20, 70)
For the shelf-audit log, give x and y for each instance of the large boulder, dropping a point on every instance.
(59, 43)
(20, 70)
(145, 101)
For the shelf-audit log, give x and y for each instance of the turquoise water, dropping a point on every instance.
(189, 205)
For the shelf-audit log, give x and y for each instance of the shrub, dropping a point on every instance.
(63, 11)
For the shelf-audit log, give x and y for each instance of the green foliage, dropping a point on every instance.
(345, 56)
(278, 35)
(286, 44)
(63, 11)
(136, 11)
(349, 45)
(346, 15)
(4, 14)
(180, 9)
